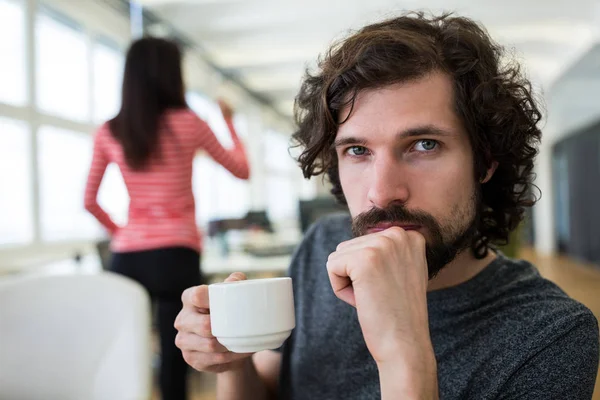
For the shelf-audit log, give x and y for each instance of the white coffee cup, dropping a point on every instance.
(252, 315)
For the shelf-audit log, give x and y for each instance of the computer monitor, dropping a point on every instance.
(312, 210)
(259, 219)
(253, 219)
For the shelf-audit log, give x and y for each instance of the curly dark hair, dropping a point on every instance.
(493, 99)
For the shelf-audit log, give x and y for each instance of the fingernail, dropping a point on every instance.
(236, 276)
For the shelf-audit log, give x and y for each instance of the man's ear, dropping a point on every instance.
(490, 172)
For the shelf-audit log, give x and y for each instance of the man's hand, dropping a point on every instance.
(384, 275)
(200, 348)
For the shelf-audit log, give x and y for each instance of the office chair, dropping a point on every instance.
(74, 337)
(104, 253)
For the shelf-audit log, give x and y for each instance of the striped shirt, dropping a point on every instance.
(162, 211)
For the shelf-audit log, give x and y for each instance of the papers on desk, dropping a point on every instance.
(214, 263)
(251, 252)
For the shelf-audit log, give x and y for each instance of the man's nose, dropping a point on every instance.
(387, 183)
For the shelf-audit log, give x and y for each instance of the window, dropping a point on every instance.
(277, 155)
(200, 104)
(201, 180)
(16, 201)
(282, 198)
(64, 161)
(108, 74)
(13, 71)
(232, 194)
(307, 187)
(281, 177)
(113, 196)
(62, 68)
(218, 193)
(210, 112)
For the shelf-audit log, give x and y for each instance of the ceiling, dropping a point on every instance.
(267, 44)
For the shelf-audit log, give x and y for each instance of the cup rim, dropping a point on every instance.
(247, 282)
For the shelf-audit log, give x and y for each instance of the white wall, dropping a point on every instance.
(572, 105)
(545, 239)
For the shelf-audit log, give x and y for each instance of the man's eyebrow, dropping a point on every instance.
(348, 140)
(425, 130)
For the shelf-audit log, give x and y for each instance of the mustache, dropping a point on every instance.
(396, 213)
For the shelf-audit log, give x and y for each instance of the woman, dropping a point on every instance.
(153, 139)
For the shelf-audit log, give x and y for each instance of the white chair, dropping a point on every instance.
(74, 337)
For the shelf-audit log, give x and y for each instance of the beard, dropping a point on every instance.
(443, 241)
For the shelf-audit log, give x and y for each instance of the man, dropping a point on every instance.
(430, 141)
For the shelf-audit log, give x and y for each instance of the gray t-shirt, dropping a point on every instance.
(507, 333)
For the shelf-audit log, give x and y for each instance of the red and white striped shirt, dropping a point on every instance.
(162, 211)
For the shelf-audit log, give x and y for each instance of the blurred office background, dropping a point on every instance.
(60, 73)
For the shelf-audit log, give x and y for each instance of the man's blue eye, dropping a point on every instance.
(426, 145)
(357, 150)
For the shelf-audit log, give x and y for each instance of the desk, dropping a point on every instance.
(215, 266)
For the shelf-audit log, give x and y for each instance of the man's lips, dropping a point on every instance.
(386, 225)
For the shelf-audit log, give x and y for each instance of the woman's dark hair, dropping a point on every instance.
(152, 83)
(492, 98)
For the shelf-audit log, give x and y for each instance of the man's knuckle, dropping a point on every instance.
(213, 346)
(416, 237)
(190, 358)
(220, 358)
(179, 340)
(371, 254)
(386, 242)
(205, 326)
(178, 324)
(395, 232)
